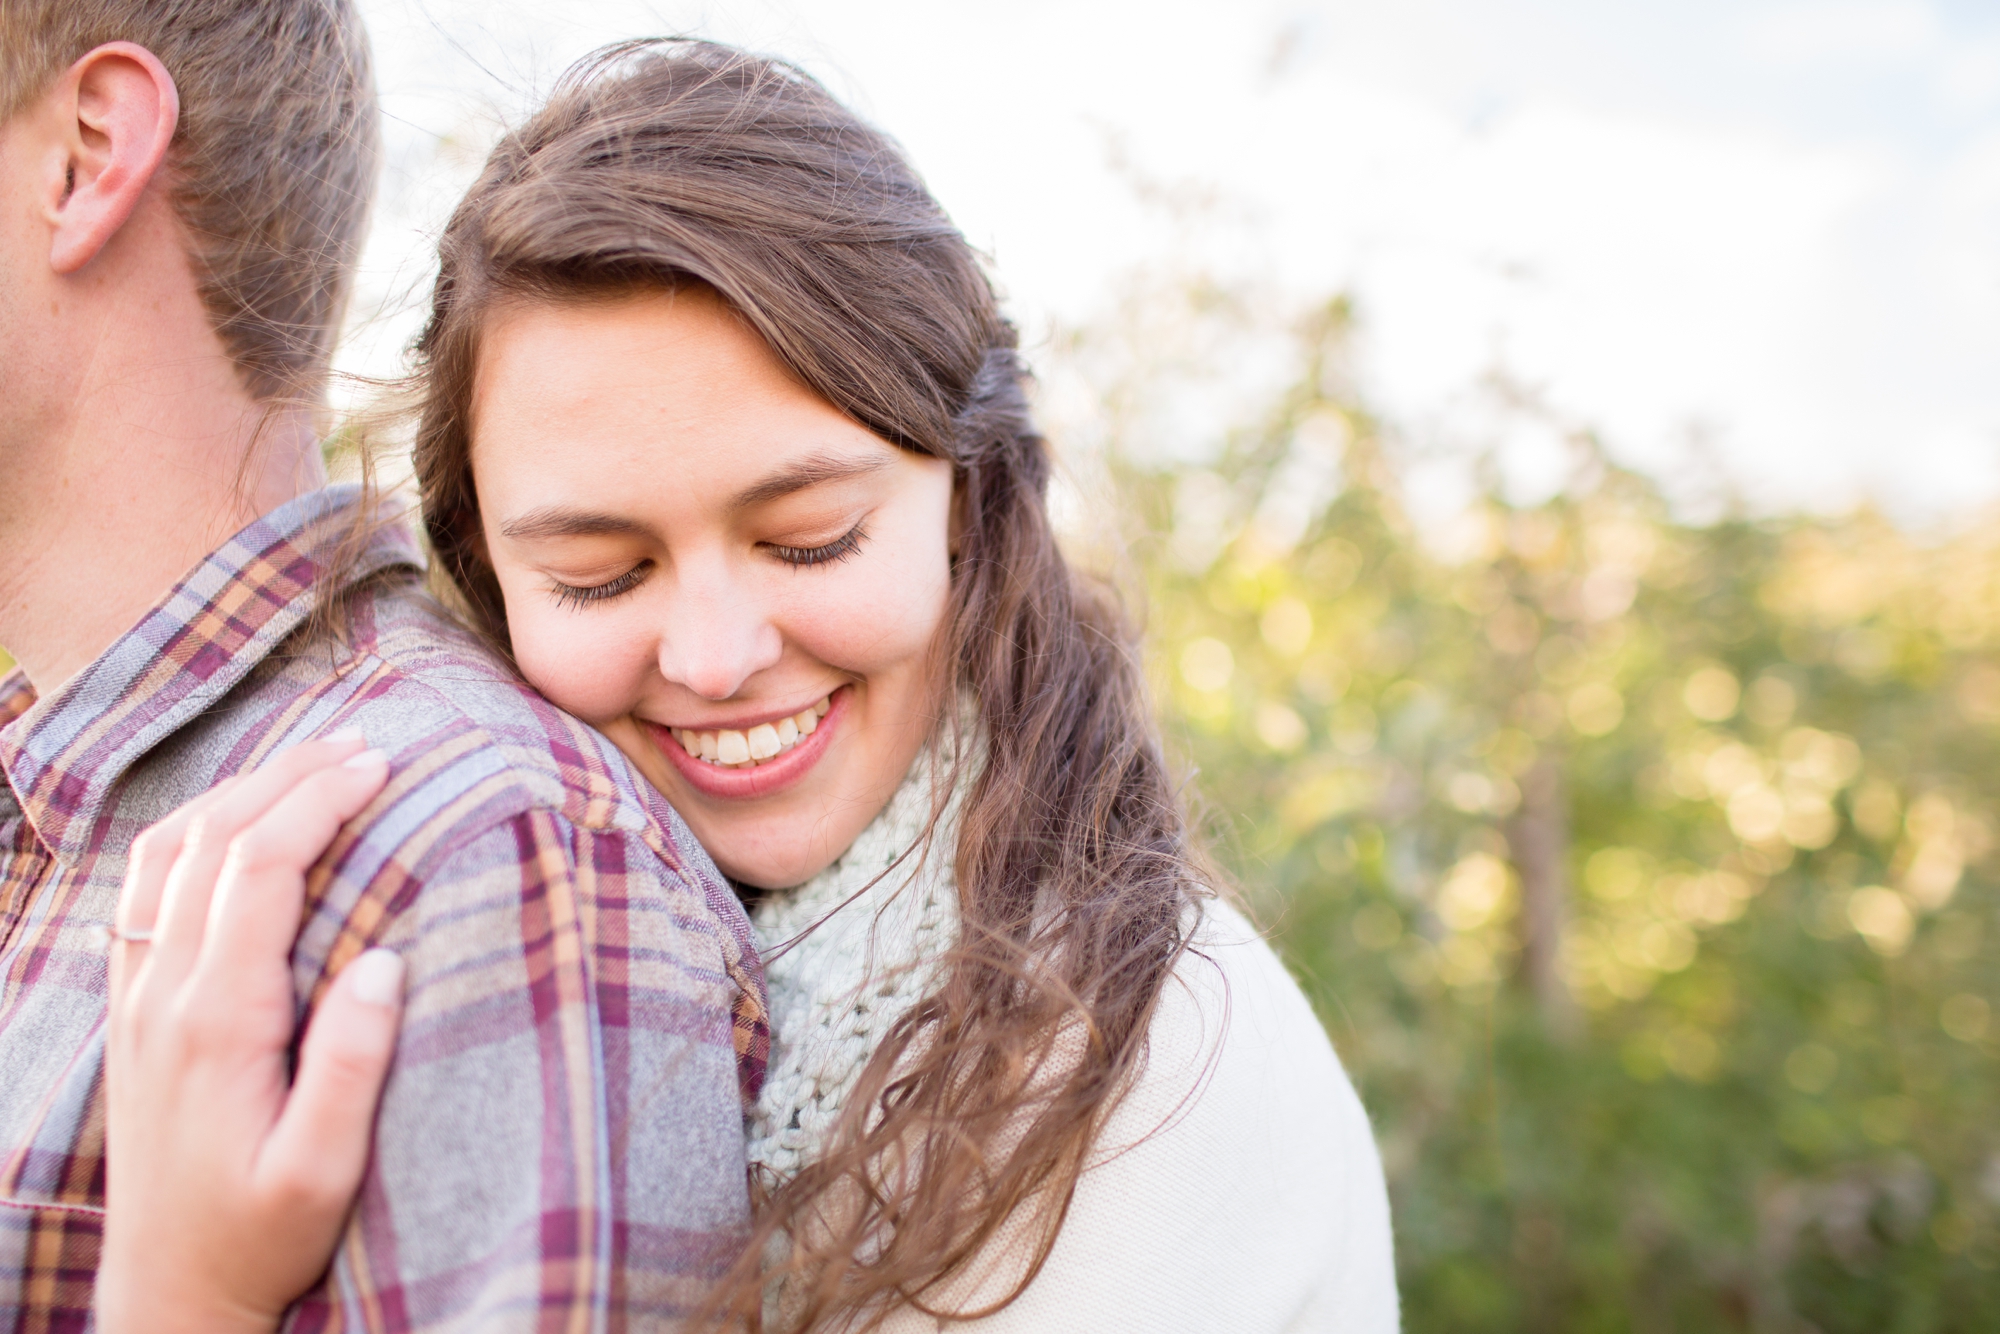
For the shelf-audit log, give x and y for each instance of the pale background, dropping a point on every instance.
(1763, 233)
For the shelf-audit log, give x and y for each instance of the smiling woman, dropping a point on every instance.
(725, 439)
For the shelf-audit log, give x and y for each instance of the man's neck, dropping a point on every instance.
(146, 477)
(131, 447)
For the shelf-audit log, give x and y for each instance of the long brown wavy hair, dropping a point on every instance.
(678, 163)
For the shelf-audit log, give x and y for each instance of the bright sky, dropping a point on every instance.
(1773, 226)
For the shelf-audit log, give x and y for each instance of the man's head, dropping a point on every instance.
(269, 165)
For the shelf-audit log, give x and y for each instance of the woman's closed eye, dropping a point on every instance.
(583, 595)
(837, 550)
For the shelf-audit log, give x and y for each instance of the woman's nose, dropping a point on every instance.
(717, 635)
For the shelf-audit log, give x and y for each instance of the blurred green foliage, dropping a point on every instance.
(1640, 867)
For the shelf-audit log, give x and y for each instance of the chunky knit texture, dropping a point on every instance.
(855, 967)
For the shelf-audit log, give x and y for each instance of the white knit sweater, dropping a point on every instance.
(1236, 1188)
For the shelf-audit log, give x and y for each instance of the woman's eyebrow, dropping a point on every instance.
(807, 472)
(556, 521)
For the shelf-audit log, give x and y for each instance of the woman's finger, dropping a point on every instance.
(153, 854)
(261, 891)
(154, 851)
(182, 917)
(318, 1150)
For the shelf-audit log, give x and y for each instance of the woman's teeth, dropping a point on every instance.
(730, 749)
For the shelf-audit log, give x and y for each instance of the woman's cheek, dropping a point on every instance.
(580, 662)
(874, 619)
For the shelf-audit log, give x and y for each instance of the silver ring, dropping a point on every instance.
(104, 935)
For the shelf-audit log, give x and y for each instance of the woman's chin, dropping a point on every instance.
(779, 842)
(776, 868)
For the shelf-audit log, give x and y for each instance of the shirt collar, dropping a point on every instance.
(16, 698)
(64, 755)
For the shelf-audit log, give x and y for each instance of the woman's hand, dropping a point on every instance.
(228, 1183)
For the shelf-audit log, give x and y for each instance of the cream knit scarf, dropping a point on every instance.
(837, 991)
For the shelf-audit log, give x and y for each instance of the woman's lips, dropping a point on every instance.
(752, 778)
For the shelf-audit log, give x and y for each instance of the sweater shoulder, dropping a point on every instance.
(1234, 1046)
(1238, 1184)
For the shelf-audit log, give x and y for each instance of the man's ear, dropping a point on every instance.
(117, 110)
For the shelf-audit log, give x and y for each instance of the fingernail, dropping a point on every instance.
(367, 759)
(341, 734)
(378, 977)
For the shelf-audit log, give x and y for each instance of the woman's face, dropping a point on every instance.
(737, 583)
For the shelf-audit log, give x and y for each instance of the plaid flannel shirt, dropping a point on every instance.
(560, 1146)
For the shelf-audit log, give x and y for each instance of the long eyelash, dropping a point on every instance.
(570, 595)
(837, 550)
